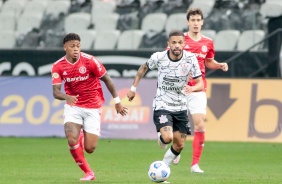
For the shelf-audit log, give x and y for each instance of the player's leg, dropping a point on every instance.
(197, 108)
(72, 125)
(176, 148)
(181, 124)
(91, 129)
(163, 123)
(81, 139)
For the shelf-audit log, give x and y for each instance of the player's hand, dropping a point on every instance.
(120, 109)
(130, 95)
(71, 100)
(187, 90)
(224, 67)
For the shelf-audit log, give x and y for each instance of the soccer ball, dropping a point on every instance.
(158, 171)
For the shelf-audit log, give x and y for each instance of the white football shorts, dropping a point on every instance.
(197, 103)
(89, 118)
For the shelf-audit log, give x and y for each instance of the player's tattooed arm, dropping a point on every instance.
(140, 73)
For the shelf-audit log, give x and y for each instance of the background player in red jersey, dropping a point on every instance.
(84, 97)
(203, 48)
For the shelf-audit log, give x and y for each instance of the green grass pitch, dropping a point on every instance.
(47, 160)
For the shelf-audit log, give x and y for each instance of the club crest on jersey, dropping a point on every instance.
(163, 119)
(82, 69)
(184, 68)
(204, 48)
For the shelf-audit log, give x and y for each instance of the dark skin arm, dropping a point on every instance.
(140, 73)
(110, 85)
(71, 100)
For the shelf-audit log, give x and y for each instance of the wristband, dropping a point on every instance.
(117, 100)
(133, 89)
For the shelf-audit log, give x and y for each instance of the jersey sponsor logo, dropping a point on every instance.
(204, 48)
(170, 88)
(174, 105)
(171, 80)
(163, 119)
(55, 75)
(82, 69)
(79, 78)
(200, 55)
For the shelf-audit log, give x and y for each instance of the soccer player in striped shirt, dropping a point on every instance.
(81, 74)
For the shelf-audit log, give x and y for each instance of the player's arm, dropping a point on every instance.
(214, 65)
(57, 93)
(111, 87)
(140, 73)
(199, 86)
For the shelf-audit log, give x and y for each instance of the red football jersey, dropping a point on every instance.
(81, 78)
(203, 49)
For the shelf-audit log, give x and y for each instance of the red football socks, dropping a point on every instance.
(78, 155)
(198, 145)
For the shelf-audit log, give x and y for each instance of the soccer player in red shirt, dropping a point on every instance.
(84, 97)
(203, 48)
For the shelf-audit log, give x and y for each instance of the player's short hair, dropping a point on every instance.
(176, 33)
(194, 11)
(71, 36)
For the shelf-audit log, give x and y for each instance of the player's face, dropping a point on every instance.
(176, 44)
(195, 23)
(72, 49)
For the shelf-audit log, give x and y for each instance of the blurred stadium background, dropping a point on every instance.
(245, 102)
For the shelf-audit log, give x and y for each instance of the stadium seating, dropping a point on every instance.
(8, 21)
(248, 38)
(209, 33)
(15, 6)
(103, 7)
(77, 21)
(106, 40)
(105, 22)
(54, 8)
(87, 38)
(8, 39)
(35, 6)
(205, 5)
(154, 22)
(176, 21)
(226, 40)
(271, 8)
(28, 21)
(154, 18)
(130, 40)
